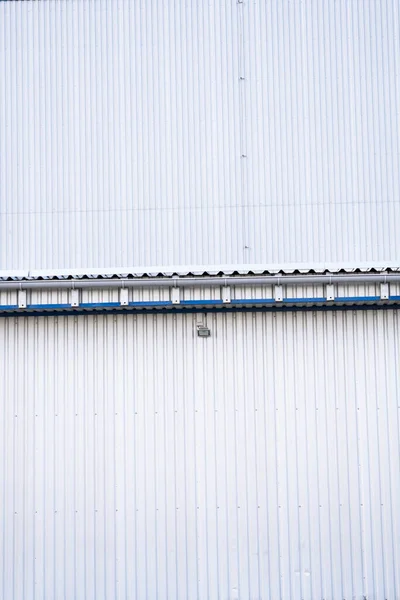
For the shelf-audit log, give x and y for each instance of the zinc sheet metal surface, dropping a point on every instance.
(140, 461)
(186, 133)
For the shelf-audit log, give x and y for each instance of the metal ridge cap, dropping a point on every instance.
(214, 271)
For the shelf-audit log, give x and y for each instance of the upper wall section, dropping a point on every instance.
(195, 133)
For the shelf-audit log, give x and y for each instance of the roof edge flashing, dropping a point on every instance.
(193, 281)
(197, 271)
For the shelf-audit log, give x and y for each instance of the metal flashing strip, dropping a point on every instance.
(203, 310)
(202, 271)
(8, 284)
(167, 306)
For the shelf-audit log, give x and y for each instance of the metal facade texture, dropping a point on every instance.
(195, 297)
(141, 461)
(199, 133)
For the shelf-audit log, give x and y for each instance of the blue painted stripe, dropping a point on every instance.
(97, 304)
(46, 306)
(160, 303)
(304, 300)
(358, 299)
(9, 307)
(254, 301)
(201, 302)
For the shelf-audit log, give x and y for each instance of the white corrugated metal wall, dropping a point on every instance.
(140, 461)
(186, 133)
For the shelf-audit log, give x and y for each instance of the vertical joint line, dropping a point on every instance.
(242, 79)
(242, 127)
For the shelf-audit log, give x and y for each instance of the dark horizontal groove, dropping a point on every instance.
(222, 309)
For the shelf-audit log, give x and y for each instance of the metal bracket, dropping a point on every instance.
(226, 294)
(278, 293)
(175, 295)
(74, 297)
(384, 291)
(22, 298)
(123, 297)
(330, 292)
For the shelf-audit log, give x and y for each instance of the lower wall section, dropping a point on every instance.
(138, 460)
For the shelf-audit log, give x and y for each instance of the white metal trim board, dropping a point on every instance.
(139, 460)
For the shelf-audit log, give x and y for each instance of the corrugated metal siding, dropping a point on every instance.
(148, 133)
(140, 461)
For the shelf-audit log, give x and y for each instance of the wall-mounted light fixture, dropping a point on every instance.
(203, 331)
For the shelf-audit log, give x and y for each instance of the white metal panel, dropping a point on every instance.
(141, 461)
(186, 133)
